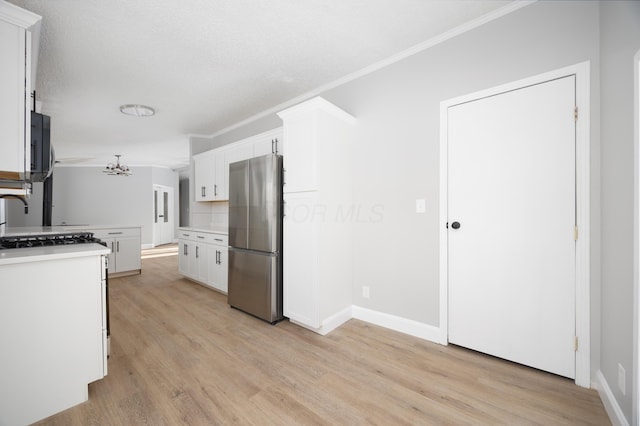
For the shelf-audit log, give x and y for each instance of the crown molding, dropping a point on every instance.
(461, 29)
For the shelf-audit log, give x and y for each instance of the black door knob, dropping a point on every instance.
(455, 225)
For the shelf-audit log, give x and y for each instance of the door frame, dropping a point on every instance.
(583, 199)
(171, 209)
(635, 390)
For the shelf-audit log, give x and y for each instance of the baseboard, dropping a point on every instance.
(609, 401)
(403, 325)
(147, 246)
(331, 323)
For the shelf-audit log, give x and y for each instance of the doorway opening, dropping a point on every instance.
(163, 220)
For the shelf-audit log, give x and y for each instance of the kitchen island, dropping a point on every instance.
(52, 328)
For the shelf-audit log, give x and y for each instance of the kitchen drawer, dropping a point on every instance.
(219, 239)
(116, 233)
(204, 237)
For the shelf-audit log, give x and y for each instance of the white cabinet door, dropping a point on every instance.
(220, 177)
(269, 145)
(203, 253)
(300, 163)
(209, 176)
(124, 244)
(183, 260)
(204, 165)
(127, 254)
(12, 101)
(218, 273)
(300, 279)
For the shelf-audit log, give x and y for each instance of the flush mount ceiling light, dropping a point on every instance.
(117, 169)
(137, 110)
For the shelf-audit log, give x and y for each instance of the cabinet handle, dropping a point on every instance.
(273, 151)
(114, 233)
(197, 252)
(218, 257)
(112, 248)
(276, 150)
(215, 190)
(186, 235)
(118, 246)
(204, 191)
(218, 239)
(186, 249)
(199, 236)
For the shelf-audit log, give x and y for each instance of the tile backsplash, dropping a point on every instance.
(210, 214)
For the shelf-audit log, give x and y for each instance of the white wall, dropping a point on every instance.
(620, 40)
(397, 150)
(85, 195)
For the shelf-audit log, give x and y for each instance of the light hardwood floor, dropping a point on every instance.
(181, 355)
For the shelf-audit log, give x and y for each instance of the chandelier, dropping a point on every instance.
(117, 169)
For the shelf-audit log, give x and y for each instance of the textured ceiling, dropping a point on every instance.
(205, 65)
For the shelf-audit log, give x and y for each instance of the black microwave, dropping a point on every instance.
(42, 158)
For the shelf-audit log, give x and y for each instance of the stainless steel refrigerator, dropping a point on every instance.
(255, 237)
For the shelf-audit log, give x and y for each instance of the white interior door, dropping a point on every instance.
(163, 221)
(511, 273)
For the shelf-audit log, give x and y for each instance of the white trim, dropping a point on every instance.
(329, 324)
(314, 104)
(402, 325)
(18, 16)
(616, 416)
(461, 29)
(583, 315)
(636, 242)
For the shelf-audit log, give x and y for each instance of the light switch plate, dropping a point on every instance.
(421, 205)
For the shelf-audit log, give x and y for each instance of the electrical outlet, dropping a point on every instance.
(365, 292)
(621, 380)
(421, 205)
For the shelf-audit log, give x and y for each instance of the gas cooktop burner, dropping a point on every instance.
(24, 241)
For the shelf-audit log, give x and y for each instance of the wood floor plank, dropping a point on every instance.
(181, 356)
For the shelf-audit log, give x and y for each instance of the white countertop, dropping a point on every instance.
(35, 254)
(210, 230)
(59, 229)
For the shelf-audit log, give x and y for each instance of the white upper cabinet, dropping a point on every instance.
(210, 176)
(18, 30)
(316, 143)
(270, 143)
(211, 168)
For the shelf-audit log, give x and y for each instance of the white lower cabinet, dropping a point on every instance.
(218, 268)
(301, 303)
(317, 260)
(203, 258)
(53, 328)
(125, 244)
